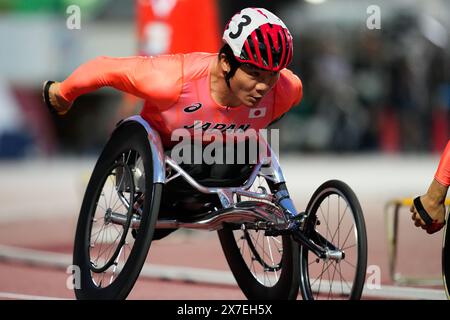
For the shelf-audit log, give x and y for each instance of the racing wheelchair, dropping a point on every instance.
(273, 250)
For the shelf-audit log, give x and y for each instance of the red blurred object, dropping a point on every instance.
(389, 132)
(37, 118)
(440, 129)
(177, 26)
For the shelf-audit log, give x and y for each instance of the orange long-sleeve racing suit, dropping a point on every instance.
(177, 94)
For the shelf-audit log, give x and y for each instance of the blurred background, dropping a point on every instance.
(382, 87)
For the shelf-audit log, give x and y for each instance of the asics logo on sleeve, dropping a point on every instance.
(193, 107)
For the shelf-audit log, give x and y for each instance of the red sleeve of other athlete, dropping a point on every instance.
(443, 171)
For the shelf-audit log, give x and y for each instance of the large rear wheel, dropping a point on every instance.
(110, 246)
(265, 267)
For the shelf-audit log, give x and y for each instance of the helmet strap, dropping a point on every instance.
(234, 64)
(227, 78)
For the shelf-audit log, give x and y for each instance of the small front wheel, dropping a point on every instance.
(335, 219)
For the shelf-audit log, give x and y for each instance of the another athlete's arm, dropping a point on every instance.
(443, 172)
(433, 201)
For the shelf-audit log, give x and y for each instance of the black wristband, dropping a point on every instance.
(422, 212)
(47, 97)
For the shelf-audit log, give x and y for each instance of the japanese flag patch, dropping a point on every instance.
(257, 113)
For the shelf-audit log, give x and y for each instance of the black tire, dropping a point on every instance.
(355, 254)
(283, 269)
(128, 139)
(446, 258)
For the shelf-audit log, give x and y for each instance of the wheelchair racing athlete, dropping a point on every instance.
(245, 86)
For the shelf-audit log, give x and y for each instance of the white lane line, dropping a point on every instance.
(64, 261)
(20, 296)
(197, 275)
(395, 292)
(385, 291)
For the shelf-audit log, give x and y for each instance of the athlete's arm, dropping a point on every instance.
(119, 73)
(152, 78)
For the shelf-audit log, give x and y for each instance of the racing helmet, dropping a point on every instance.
(258, 37)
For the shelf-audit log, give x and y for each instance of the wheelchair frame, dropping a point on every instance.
(278, 216)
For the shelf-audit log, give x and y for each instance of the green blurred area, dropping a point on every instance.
(49, 6)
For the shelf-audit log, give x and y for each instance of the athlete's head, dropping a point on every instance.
(257, 46)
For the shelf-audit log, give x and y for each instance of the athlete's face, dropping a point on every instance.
(250, 84)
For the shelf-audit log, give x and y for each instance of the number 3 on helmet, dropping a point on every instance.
(259, 37)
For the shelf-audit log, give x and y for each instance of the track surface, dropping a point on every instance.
(23, 226)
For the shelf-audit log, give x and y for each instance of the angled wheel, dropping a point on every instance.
(110, 245)
(335, 218)
(265, 267)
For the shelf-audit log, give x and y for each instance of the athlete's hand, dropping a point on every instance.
(56, 101)
(435, 210)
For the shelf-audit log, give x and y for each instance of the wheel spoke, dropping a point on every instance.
(98, 233)
(321, 273)
(256, 242)
(114, 207)
(320, 281)
(332, 280)
(112, 187)
(339, 219)
(326, 222)
(343, 281)
(109, 248)
(339, 224)
(350, 264)
(348, 247)
(116, 261)
(348, 234)
(104, 199)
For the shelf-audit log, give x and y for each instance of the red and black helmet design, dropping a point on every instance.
(259, 37)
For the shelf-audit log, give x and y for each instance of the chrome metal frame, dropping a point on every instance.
(159, 172)
(160, 161)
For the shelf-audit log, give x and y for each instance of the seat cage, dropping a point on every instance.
(267, 167)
